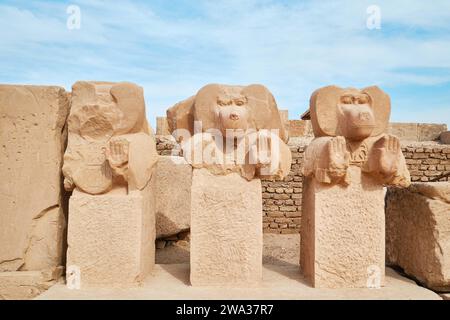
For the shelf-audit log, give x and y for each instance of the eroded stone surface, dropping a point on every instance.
(226, 230)
(110, 144)
(109, 163)
(244, 118)
(172, 195)
(111, 238)
(345, 168)
(418, 232)
(343, 232)
(445, 137)
(348, 127)
(32, 139)
(24, 285)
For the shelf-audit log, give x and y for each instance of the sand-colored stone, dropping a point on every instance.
(162, 126)
(278, 249)
(111, 238)
(345, 168)
(171, 282)
(430, 131)
(300, 128)
(25, 285)
(418, 232)
(172, 195)
(404, 131)
(109, 145)
(32, 137)
(207, 120)
(416, 131)
(284, 116)
(348, 127)
(342, 232)
(329, 116)
(109, 163)
(445, 137)
(226, 230)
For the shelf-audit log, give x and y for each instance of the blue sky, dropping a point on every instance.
(173, 48)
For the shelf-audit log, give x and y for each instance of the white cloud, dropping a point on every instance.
(292, 47)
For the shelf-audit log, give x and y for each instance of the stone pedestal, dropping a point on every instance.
(343, 233)
(418, 232)
(111, 238)
(226, 230)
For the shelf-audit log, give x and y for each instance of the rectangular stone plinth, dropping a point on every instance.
(343, 237)
(418, 232)
(226, 230)
(111, 238)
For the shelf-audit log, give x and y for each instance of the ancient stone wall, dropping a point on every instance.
(282, 200)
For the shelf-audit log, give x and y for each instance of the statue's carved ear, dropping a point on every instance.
(263, 110)
(181, 116)
(324, 112)
(381, 105)
(206, 105)
(130, 99)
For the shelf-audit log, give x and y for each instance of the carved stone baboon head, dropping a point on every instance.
(228, 107)
(103, 109)
(352, 113)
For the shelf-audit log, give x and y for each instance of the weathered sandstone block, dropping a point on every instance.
(418, 232)
(162, 126)
(111, 238)
(172, 195)
(226, 230)
(32, 138)
(300, 128)
(20, 285)
(347, 242)
(445, 137)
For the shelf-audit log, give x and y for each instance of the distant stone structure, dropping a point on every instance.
(162, 127)
(445, 137)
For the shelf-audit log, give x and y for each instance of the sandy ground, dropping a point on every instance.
(171, 282)
(281, 280)
(278, 250)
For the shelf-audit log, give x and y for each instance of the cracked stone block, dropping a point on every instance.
(32, 137)
(418, 232)
(173, 196)
(343, 233)
(226, 230)
(21, 285)
(111, 238)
